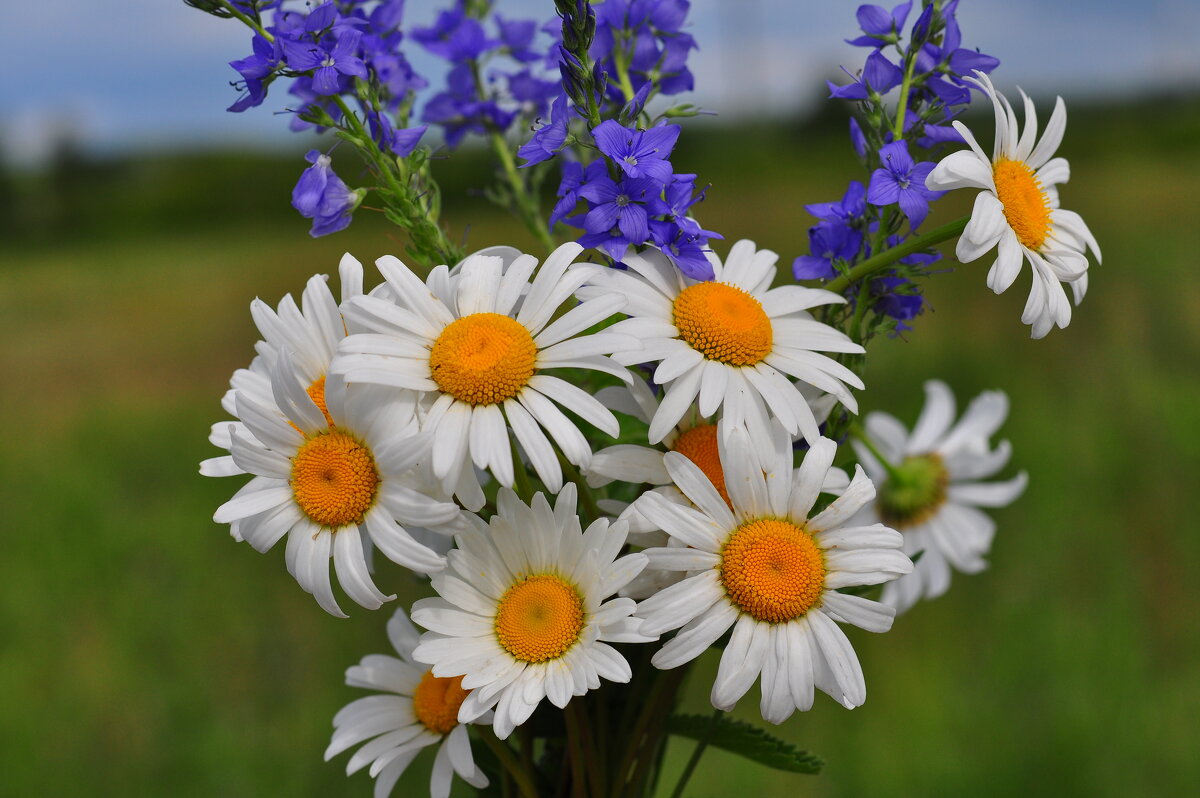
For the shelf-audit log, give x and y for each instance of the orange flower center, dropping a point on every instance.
(334, 479)
(539, 618)
(316, 392)
(724, 323)
(436, 702)
(772, 570)
(483, 359)
(1026, 204)
(699, 444)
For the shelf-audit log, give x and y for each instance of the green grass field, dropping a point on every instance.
(143, 652)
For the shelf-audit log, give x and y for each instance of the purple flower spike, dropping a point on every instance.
(639, 153)
(902, 181)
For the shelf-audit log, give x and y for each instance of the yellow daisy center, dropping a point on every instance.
(436, 701)
(1026, 204)
(539, 618)
(316, 392)
(724, 323)
(483, 359)
(913, 491)
(334, 479)
(772, 570)
(699, 444)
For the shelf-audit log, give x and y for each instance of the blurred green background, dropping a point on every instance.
(146, 653)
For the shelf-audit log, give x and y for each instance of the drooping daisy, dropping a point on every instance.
(1018, 211)
(480, 340)
(413, 711)
(731, 343)
(521, 613)
(767, 569)
(930, 487)
(340, 468)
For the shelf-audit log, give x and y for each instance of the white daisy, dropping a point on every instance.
(333, 472)
(765, 568)
(1017, 212)
(414, 711)
(310, 331)
(479, 339)
(522, 614)
(730, 343)
(929, 488)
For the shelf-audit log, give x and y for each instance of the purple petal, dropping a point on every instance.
(874, 19)
(811, 267)
(613, 139)
(632, 222)
(914, 207)
(601, 218)
(325, 81)
(895, 157)
(880, 74)
(883, 190)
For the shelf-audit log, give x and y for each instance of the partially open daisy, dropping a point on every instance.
(1017, 212)
(413, 710)
(694, 436)
(480, 340)
(338, 470)
(929, 487)
(767, 569)
(521, 613)
(731, 343)
(310, 331)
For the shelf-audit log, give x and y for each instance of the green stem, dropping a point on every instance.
(521, 484)
(902, 107)
(508, 760)
(526, 202)
(587, 501)
(247, 21)
(622, 57)
(697, 752)
(575, 714)
(888, 257)
(858, 432)
(643, 740)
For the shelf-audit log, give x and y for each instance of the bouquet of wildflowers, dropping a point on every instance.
(642, 441)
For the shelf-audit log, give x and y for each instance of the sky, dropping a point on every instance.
(122, 74)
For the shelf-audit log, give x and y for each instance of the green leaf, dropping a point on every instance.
(747, 740)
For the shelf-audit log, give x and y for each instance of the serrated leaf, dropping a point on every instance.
(746, 740)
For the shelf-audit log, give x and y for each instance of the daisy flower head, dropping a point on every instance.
(339, 473)
(765, 568)
(730, 343)
(523, 609)
(478, 341)
(412, 710)
(930, 488)
(1018, 212)
(310, 331)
